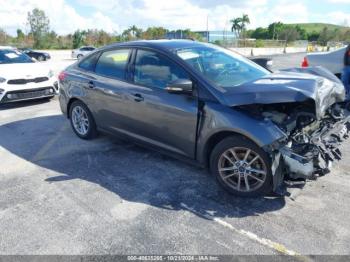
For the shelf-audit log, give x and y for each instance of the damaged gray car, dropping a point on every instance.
(252, 128)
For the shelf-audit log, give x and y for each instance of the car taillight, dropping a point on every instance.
(62, 76)
(305, 62)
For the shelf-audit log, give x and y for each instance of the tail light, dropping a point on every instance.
(62, 76)
(305, 62)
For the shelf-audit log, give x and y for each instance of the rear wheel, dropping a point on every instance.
(41, 58)
(82, 120)
(79, 57)
(241, 167)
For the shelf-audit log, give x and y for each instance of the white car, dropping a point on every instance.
(23, 79)
(333, 60)
(79, 53)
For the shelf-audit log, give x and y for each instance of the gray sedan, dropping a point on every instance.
(252, 128)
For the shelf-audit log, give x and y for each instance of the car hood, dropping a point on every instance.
(287, 87)
(23, 70)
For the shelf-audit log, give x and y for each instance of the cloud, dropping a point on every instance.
(339, 1)
(178, 14)
(339, 18)
(67, 16)
(63, 18)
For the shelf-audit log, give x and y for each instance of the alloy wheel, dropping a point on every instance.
(80, 120)
(242, 169)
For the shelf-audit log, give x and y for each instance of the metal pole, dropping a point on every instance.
(208, 28)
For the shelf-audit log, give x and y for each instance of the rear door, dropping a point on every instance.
(166, 120)
(110, 89)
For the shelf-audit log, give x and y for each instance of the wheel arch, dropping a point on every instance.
(216, 138)
(69, 104)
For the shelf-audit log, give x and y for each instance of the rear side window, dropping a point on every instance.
(89, 62)
(113, 63)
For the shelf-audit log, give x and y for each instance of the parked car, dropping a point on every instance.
(23, 79)
(79, 53)
(333, 61)
(265, 62)
(197, 101)
(40, 56)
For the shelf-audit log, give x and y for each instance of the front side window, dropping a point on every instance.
(222, 67)
(113, 63)
(155, 70)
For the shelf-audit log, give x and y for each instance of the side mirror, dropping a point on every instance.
(180, 86)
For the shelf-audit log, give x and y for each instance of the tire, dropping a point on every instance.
(41, 58)
(233, 171)
(79, 57)
(90, 130)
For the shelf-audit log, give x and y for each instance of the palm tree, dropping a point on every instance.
(239, 25)
(245, 21)
(236, 26)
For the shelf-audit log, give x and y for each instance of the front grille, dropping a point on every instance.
(28, 94)
(26, 81)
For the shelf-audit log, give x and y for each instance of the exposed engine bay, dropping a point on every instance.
(312, 143)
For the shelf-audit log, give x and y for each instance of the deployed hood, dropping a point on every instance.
(23, 70)
(287, 87)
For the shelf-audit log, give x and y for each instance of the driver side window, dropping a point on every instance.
(155, 70)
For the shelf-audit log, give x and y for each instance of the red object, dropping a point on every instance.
(62, 76)
(305, 63)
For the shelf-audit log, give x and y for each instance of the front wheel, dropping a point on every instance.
(241, 167)
(82, 121)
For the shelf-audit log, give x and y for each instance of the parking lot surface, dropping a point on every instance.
(63, 195)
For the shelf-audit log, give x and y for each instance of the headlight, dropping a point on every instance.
(51, 74)
(2, 80)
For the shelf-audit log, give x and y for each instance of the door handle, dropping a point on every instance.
(91, 84)
(138, 97)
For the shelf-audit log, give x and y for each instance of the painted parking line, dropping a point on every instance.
(280, 248)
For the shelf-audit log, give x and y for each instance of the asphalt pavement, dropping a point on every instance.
(63, 195)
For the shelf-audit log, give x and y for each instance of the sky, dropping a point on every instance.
(114, 16)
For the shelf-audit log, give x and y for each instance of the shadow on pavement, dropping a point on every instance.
(133, 173)
(24, 103)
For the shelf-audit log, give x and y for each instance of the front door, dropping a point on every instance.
(156, 116)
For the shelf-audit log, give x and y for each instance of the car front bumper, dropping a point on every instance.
(14, 93)
(314, 158)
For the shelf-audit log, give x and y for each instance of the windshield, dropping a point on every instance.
(13, 56)
(222, 67)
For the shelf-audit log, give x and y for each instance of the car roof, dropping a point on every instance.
(158, 44)
(6, 47)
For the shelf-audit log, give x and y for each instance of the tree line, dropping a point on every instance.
(290, 33)
(40, 36)
(287, 32)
